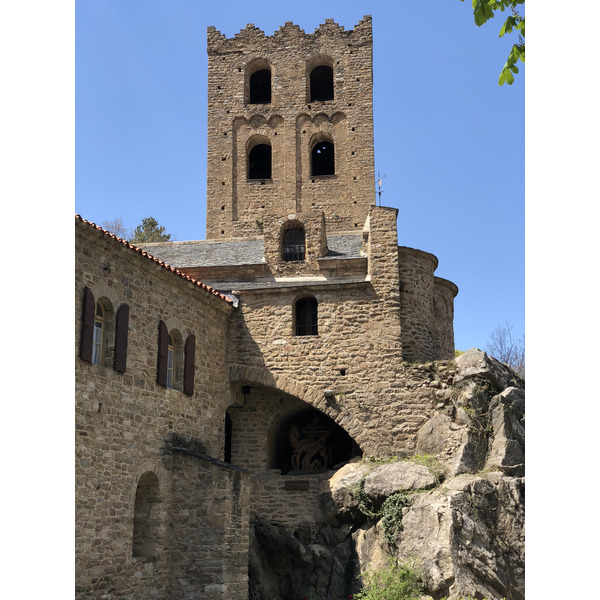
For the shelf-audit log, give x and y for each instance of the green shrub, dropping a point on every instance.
(402, 580)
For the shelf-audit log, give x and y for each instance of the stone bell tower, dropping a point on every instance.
(290, 128)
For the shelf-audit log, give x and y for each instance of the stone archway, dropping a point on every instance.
(277, 423)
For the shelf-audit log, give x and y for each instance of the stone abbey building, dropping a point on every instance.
(223, 380)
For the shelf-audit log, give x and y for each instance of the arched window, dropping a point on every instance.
(259, 162)
(322, 159)
(99, 324)
(293, 245)
(145, 516)
(170, 358)
(260, 87)
(306, 316)
(321, 83)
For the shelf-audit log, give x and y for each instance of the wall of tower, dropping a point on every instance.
(291, 124)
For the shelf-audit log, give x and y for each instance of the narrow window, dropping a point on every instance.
(170, 361)
(306, 316)
(163, 347)
(145, 516)
(228, 432)
(87, 325)
(293, 244)
(99, 321)
(121, 334)
(259, 162)
(189, 365)
(321, 83)
(322, 159)
(260, 87)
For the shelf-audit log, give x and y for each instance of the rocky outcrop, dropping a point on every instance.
(456, 507)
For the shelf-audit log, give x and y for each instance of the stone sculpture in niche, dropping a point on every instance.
(310, 450)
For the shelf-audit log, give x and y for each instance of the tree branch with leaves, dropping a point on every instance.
(484, 10)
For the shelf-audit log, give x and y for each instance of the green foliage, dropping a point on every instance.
(402, 580)
(458, 353)
(483, 11)
(391, 521)
(149, 231)
(390, 512)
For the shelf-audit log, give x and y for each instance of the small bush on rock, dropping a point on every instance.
(402, 580)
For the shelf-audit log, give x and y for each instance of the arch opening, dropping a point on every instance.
(259, 162)
(308, 441)
(260, 87)
(321, 83)
(146, 518)
(322, 159)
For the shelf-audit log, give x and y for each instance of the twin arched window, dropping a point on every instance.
(322, 160)
(259, 83)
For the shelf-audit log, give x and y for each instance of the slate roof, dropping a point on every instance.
(206, 253)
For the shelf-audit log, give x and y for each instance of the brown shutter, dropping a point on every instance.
(87, 325)
(163, 349)
(121, 331)
(189, 365)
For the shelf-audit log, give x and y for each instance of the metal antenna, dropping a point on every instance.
(379, 192)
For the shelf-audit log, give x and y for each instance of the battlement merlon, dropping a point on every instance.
(218, 43)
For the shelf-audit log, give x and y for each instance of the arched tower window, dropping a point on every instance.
(321, 83)
(145, 516)
(306, 316)
(322, 159)
(260, 87)
(259, 162)
(293, 245)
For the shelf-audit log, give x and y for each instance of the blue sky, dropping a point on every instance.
(448, 139)
(125, 81)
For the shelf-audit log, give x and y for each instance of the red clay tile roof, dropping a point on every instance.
(159, 262)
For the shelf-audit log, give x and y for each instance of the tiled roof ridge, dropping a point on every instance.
(156, 260)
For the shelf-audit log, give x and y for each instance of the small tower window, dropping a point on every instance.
(321, 83)
(294, 244)
(259, 162)
(306, 316)
(322, 159)
(260, 87)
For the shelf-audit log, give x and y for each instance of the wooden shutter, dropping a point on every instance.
(189, 365)
(87, 325)
(121, 331)
(163, 349)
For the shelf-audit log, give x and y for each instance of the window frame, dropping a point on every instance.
(306, 308)
(98, 330)
(288, 255)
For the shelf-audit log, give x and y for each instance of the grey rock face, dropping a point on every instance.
(465, 520)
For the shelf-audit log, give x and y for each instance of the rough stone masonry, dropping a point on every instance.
(231, 393)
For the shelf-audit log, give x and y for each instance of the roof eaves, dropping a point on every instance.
(156, 260)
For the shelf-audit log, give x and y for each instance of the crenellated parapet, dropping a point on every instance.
(218, 42)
